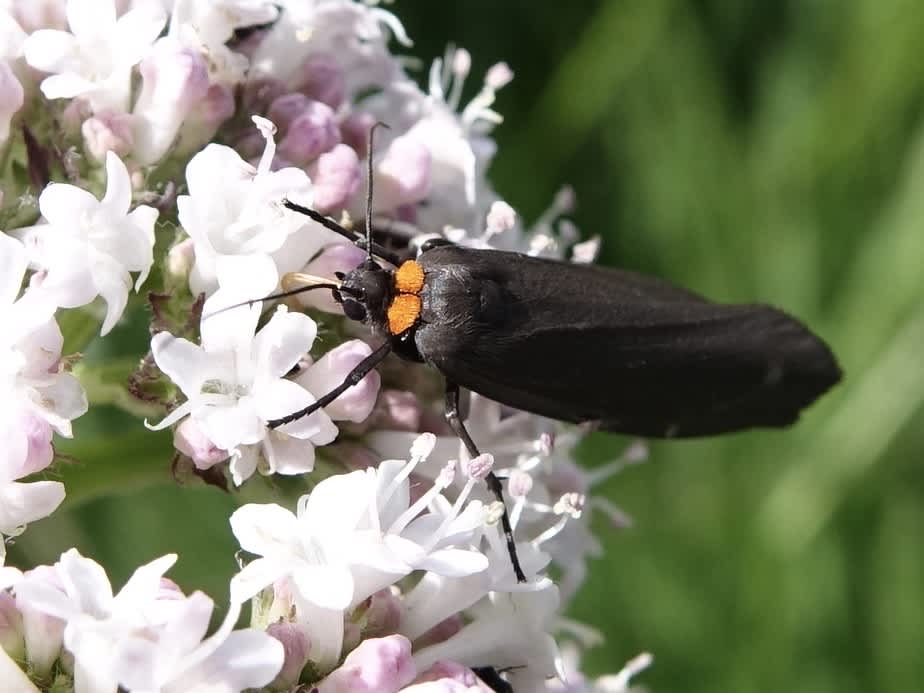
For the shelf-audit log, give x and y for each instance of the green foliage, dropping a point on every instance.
(753, 151)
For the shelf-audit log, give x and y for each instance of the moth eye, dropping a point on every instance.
(339, 275)
(354, 310)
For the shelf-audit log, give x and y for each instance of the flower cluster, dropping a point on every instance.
(152, 143)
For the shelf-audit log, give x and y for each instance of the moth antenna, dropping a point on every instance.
(326, 222)
(310, 283)
(369, 150)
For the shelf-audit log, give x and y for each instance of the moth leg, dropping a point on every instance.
(458, 426)
(360, 371)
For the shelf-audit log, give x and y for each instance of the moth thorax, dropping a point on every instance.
(405, 306)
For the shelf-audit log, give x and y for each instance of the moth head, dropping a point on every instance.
(365, 292)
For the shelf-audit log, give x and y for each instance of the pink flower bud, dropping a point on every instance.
(189, 439)
(311, 134)
(335, 176)
(379, 664)
(340, 257)
(11, 638)
(384, 613)
(322, 79)
(180, 259)
(205, 117)
(355, 132)
(11, 98)
(175, 78)
(330, 370)
(39, 451)
(107, 131)
(296, 645)
(286, 108)
(43, 634)
(403, 176)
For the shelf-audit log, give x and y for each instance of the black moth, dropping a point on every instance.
(579, 343)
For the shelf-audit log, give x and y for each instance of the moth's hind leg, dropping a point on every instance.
(454, 419)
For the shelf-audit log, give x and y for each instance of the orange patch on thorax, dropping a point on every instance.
(404, 309)
(409, 278)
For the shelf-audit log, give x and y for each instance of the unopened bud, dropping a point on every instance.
(310, 134)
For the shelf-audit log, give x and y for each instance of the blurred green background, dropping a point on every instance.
(751, 150)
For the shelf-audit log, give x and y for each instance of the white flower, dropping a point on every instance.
(234, 208)
(535, 454)
(22, 503)
(576, 682)
(216, 20)
(145, 638)
(101, 628)
(94, 60)
(234, 382)
(174, 658)
(38, 395)
(89, 246)
(458, 142)
(175, 79)
(506, 630)
(352, 536)
(354, 32)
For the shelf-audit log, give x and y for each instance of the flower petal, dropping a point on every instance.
(22, 503)
(284, 340)
(62, 204)
(264, 528)
(86, 583)
(182, 361)
(255, 576)
(118, 195)
(50, 50)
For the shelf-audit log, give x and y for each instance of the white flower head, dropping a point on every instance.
(234, 208)
(352, 536)
(89, 246)
(145, 637)
(38, 396)
(94, 59)
(234, 382)
(357, 33)
(505, 630)
(100, 627)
